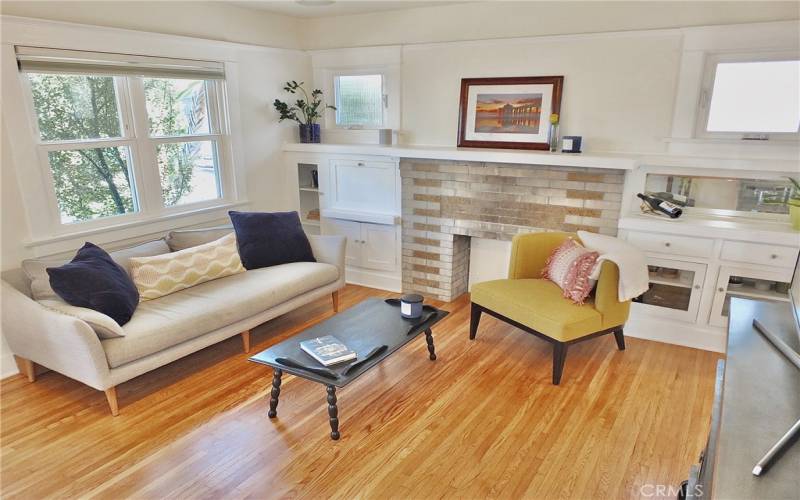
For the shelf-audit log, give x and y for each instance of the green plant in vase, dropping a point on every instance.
(306, 110)
(793, 202)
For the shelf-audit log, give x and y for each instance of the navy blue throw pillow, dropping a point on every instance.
(93, 280)
(268, 239)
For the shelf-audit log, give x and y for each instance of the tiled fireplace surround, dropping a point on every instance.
(445, 203)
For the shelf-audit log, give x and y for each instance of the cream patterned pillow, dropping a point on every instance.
(162, 275)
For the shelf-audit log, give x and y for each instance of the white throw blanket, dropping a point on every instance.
(633, 277)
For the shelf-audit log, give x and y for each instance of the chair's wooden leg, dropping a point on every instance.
(474, 319)
(559, 357)
(335, 297)
(246, 340)
(620, 339)
(26, 367)
(111, 396)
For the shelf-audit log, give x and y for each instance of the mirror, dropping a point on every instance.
(718, 193)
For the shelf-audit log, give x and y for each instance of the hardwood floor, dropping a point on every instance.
(481, 421)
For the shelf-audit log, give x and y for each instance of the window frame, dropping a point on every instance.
(135, 135)
(325, 79)
(384, 97)
(707, 89)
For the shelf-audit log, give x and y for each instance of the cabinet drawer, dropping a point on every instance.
(672, 244)
(757, 253)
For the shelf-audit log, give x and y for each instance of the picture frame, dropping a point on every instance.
(508, 112)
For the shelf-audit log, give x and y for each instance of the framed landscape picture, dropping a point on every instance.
(512, 112)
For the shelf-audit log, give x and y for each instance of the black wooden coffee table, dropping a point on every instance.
(373, 329)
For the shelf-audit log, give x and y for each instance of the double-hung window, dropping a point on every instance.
(125, 138)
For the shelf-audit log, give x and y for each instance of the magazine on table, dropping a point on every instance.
(328, 350)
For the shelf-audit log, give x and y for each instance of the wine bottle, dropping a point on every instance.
(663, 206)
(677, 199)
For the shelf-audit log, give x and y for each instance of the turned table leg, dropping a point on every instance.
(333, 412)
(276, 391)
(429, 340)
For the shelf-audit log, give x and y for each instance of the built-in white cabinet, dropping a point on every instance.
(369, 246)
(676, 289)
(762, 284)
(696, 267)
(366, 186)
(359, 198)
(378, 244)
(759, 253)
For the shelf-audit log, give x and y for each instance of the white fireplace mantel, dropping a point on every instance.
(514, 156)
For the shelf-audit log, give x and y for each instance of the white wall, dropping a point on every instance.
(487, 20)
(207, 20)
(618, 89)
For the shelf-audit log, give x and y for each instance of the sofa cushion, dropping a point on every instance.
(35, 269)
(161, 275)
(93, 280)
(187, 238)
(162, 323)
(270, 239)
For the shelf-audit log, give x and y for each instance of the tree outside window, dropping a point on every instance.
(89, 155)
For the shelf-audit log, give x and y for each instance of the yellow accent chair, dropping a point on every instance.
(537, 305)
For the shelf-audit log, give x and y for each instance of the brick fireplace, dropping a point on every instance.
(445, 203)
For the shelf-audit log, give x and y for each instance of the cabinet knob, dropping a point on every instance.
(720, 289)
(697, 287)
(667, 244)
(361, 164)
(773, 256)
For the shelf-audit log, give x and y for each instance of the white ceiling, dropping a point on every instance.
(337, 8)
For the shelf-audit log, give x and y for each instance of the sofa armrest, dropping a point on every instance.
(330, 250)
(606, 295)
(62, 343)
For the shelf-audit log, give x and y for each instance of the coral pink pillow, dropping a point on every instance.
(569, 267)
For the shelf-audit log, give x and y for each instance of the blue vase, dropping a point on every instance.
(309, 133)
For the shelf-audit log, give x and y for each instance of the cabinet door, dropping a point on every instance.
(675, 289)
(379, 243)
(363, 186)
(749, 283)
(352, 231)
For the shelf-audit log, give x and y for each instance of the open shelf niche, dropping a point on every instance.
(308, 193)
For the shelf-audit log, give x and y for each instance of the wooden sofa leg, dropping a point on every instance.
(26, 367)
(246, 340)
(474, 319)
(111, 396)
(335, 297)
(620, 339)
(559, 357)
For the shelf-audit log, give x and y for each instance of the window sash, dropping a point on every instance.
(146, 183)
(707, 88)
(384, 99)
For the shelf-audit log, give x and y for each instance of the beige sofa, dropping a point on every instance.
(168, 328)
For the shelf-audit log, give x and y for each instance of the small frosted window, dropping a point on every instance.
(756, 97)
(359, 101)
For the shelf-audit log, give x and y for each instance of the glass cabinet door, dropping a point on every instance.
(675, 289)
(748, 283)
